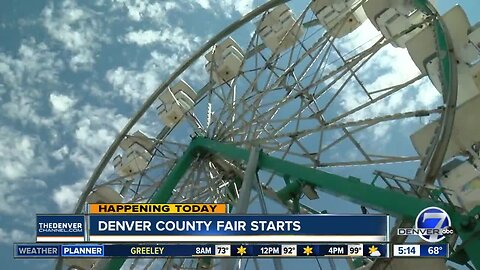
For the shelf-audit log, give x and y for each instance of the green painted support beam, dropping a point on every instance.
(164, 192)
(352, 188)
(289, 191)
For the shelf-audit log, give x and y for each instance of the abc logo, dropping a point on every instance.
(447, 231)
(435, 222)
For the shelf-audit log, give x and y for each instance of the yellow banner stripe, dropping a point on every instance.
(148, 208)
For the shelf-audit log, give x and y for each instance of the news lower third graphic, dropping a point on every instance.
(432, 225)
(218, 228)
(379, 250)
(135, 230)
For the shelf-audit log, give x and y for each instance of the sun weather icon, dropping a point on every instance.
(241, 250)
(307, 250)
(374, 252)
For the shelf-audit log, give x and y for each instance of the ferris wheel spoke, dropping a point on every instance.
(213, 184)
(345, 82)
(356, 144)
(353, 72)
(287, 71)
(283, 101)
(195, 182)
(388, 93)
(370, 162)
(184, 188)
(363, 123)
(324, 51)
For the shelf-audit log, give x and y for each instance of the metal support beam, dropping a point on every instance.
(249, 179)
(241, 207)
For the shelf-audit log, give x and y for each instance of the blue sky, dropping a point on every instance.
(71, 74)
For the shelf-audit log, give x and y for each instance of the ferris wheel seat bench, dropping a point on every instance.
(137, 150)
(465, 132)
(463, 179)
(137, 137)
(175, 102)
(134, 160)
(465, 40)
(468, 82)
(391, 18)
(336, 17)
(104, 194)
(421, 48)
(225, 60)
(279, 29)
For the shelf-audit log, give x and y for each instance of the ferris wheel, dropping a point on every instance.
(296, 101)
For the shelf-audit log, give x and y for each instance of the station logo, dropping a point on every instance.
(432, 225)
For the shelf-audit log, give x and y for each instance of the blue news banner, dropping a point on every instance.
(238, 228)
(212, 228)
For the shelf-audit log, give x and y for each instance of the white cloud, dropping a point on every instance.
(143, 37)
(93, 134)
(133, 86)
(35, 66)
(143, 9)
(174, 38)
(427, 94)
(61, 153)
(18, 157)
(77, 29)
(242, 6)
(14, 236)
(139, 10)
(61, 103)
(136, 85)
(66, 196)
(26, 77)
(228, 7)
(24, 164)
(205, 4)
(24, 109)
(35, 63)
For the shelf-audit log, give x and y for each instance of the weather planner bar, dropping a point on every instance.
(238, 250)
